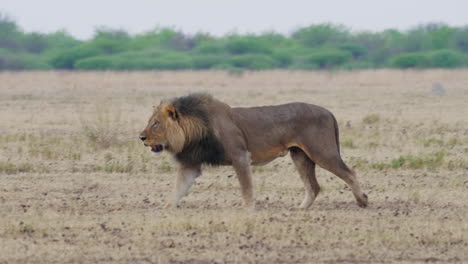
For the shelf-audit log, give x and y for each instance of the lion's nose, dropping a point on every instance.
(143, 138)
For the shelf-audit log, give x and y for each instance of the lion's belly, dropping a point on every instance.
(263, 157)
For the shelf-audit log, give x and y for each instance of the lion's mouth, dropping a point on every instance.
(157, 148)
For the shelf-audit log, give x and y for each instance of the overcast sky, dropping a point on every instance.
(81, 17)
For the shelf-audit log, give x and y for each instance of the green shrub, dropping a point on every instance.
(34, 62)
(460, 39)
(8, 62)
(67, 59)
(154, 60)
(327, 59)
(320, 35)
(173, 62)
(446, 59)
(209, 48)
(315, 47)
(252, 61)
(411, 60)
(165, 62)
(206, 61)
(225, 66)
(441, 37)
(283, 59)
(108, 46)
(61, 41)
(95, 63)
(23, 61)
(357, 65)
(356, 50)
(246, 45)
(35, 43)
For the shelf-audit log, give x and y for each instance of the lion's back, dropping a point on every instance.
(271, 117)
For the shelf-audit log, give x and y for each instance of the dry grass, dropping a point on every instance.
(68, 195)
(105, 128)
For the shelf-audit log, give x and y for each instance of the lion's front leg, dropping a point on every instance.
(185, 179)
(242, 167)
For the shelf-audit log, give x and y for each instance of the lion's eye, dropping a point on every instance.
(155, 123)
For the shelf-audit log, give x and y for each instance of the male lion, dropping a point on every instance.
(199, 129)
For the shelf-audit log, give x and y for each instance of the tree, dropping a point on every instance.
(321, 35)
(9, 33)
(460, 39)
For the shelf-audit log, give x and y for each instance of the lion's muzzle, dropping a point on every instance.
(157, 148)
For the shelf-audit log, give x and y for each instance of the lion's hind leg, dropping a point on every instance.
(306, 169)
(331, 161)
(348, 176)
(339, 168)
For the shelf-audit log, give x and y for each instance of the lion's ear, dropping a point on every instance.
(171, 112)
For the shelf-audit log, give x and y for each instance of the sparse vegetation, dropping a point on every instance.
(105, 128)
(118, 167)
(61, 191)
(431, 161)
(348, 143)
(380, 166)
(13, 168)
(432, 142)
(373, 145)
(165, 166)
(371, 119)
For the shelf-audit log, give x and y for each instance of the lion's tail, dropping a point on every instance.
(337, 133)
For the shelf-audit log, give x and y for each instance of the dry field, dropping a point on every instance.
(77, 186)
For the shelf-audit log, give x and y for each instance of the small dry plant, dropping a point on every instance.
(105, 127)
(371, 119)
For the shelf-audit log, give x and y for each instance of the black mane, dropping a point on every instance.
(206, 150)
(192, 105)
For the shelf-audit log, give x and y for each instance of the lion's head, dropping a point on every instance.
(175, 123)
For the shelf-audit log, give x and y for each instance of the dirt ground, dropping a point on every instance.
(77, 186)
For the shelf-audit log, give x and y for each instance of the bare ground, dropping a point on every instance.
(76, 186)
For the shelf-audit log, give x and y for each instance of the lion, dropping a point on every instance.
(199, 129)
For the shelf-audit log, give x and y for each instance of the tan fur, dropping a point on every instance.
(175, 135)
(193, 129)
(250, 136)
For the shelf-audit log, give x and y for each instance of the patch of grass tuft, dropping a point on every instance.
(432, 142)
(165, 166)
(373, 145)
(74, 156)
(105, 128)
(432, 160)
(27, 229)
(380, 166)
(358, 163)
(12, 168)
(371, 119)
(452, 142)
(118, 167)
(348, 143)
(258, 169)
